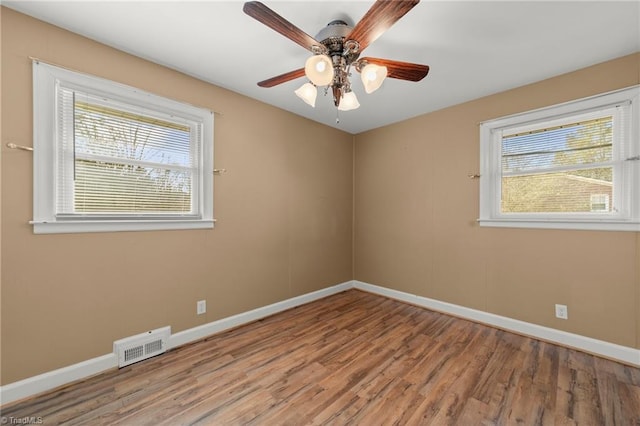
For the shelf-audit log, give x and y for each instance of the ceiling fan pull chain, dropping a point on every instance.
(337, 116)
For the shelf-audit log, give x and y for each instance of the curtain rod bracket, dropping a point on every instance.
(15, 146)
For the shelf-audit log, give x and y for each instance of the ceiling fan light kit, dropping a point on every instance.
(337, 48)
(319, 69)
(308, 93)
(372, 76)
(349, 101)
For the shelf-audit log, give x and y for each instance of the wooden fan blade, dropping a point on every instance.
(379, 18)
(271, 19)
(282, 78)
(400, 70)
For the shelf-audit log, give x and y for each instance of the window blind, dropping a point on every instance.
(570, 144)
(559, 169)
(117, 159)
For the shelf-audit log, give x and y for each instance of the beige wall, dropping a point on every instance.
(415, 221)
(284, 219)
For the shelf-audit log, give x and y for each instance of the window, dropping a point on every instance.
(108, 157)
(600, 202)
(574, 166)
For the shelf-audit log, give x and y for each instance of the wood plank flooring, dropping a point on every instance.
(353, 358)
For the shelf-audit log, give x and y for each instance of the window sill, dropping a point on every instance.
(77, 226)
(593, 225)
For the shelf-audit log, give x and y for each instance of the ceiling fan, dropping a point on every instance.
(337, 48)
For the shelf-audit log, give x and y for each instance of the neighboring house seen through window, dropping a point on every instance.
(574, 165)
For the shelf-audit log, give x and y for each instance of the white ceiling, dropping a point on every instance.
(474, 48)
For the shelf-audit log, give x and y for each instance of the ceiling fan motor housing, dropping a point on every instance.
(337, 28)
(342, 54)
(333, 37)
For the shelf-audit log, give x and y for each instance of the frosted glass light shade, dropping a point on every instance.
(372, 76)
(348, 102)
(319, 70)
(307, 92)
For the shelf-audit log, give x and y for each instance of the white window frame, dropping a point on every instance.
(626, 163)
(46, 79)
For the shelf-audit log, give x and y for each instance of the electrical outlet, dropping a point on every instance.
(201, 307)
(562, 312)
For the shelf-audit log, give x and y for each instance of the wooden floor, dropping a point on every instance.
(353, 358)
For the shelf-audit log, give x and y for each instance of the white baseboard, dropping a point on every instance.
(53, 379)
(62, 376)
(197, 333)
(597, 347)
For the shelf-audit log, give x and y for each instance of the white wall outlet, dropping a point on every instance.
(562, 312)
(201, 307)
